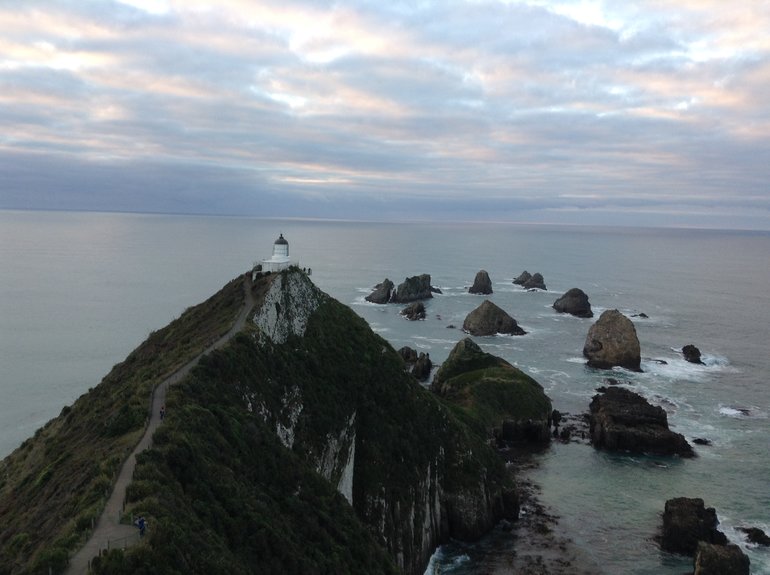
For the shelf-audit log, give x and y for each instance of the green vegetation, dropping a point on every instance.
(224, 491)
(488, 390)
(56, 483)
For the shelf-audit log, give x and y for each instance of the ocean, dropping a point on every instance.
(79, 291)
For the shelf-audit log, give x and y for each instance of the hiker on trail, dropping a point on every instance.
(162, 412)
(141, 523)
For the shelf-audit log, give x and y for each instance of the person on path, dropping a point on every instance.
(141, 523)
(162, 412)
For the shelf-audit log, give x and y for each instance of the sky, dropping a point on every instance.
(652, 113)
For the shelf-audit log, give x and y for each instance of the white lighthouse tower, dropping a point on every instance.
(280, 259)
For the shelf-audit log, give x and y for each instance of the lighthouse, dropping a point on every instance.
(280, 258)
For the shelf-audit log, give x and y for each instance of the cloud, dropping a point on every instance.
(467, 109)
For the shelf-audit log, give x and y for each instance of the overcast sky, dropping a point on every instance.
(650, 113)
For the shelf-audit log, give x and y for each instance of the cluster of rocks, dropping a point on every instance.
(419, 366)
(414, 311)
(621, 420)
(530, 281)
(411, 289)
(690, 528)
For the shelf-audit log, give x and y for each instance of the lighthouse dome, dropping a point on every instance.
(281, 248)
(281, 240)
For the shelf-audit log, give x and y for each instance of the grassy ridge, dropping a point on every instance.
(55, 484)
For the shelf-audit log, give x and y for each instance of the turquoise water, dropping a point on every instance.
(81, 290)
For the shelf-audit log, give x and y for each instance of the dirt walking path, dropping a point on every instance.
(108, 531)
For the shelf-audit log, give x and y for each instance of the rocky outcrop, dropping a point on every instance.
(612, 341)
(489, 319)
(422, 367)
(287, 307)
(412, 289)
(574, 302)
(530, 281)
(414, 311)
(720, 560)
(691, 354)
(508, 403)
(621, 420)
(523, 278)
(686, 521)
(756, 535)
(382, 292)
(481, 284)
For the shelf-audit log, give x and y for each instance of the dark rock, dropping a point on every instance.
(434, 289)
(555, 417)
(523, 278)
(422, 367)
(612, 341)
(612, 381)
(536, 281)
(691, 354)
(489, 319)
(701, 441)
(412, 289)
(382, 292)
(451, 326)
(756, 535)
(686, 521)
(481, 284)
(574, 302)
(408, 354)
(506, 401)
(622, 420)
(640, 315)
(414, 311)
(720, 560)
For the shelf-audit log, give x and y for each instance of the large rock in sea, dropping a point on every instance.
(381, 293)
(621, 420)
(574, 302)
(612, 341)
(481, 284)
(686, 521)
(756, 535)
(530, 281)
(721, 560)
(412, 289)
(489, 319)
(506, 401)
(536, 281)
(523, 278)
(691, 354)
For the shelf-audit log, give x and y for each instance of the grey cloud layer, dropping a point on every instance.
(519, 110)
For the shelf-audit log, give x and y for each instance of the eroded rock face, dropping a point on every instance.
(612, 341)
(574, 302)
(381, 293)
(721, 560)
(756, 535)
(686, 521)
(412, 289)
(408, 354)
(489, 319)
(691, 354)
(287, 306)
(481, 284)
(621, 420)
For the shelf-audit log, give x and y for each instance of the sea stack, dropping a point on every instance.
(481, 284)
(612, 341)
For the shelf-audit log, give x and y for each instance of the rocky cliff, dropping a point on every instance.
(300, 446)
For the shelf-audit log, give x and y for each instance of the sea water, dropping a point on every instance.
(79, 291)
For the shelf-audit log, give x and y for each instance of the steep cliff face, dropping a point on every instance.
(413, 473)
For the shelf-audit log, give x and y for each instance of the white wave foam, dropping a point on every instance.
(742, 412)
